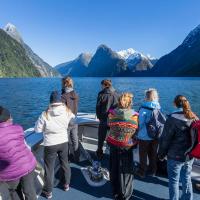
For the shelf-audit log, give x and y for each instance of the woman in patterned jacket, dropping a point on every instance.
(123, 122)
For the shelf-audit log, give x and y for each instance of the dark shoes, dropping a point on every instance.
(99, 154)
(118, 197)
(197, 186)
(140, 174)
(151, 173)
(48, 195)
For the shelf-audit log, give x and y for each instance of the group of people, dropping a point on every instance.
(123, 128)
(57, 123)
(120, 126)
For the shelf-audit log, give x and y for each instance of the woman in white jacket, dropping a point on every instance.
(53, 123)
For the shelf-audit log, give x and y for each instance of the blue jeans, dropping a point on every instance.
(180, 170)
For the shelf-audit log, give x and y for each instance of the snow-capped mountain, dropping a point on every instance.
(106, 62)
(126, 53)
(14, 61)
(135, 60)
(11, 30)
(44, 68)
(182, 61)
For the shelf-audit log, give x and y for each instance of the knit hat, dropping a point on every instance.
(4, 114)
(55, 97)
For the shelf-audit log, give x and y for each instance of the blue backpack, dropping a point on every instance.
(156, 123)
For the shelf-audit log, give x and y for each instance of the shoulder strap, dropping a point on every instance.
(145, 107)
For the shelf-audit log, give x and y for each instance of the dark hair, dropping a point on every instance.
(4, 114)
(106, 83)
(181, 102)
(55, 97)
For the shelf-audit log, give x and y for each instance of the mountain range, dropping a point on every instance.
(182, 61)
(106, 62)
(17, 59)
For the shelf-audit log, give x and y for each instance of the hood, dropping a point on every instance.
(5, 124)
(178, 114)
(124, 113)
(152, 104)
(57, 110)
(108, 90)
(68, 89)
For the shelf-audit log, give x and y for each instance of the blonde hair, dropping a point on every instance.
(67, 82)
(181, 102)
(125, 100)
(151, 95)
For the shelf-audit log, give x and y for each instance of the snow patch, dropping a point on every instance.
(11, 30)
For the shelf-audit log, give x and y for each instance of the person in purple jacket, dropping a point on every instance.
(17, 163)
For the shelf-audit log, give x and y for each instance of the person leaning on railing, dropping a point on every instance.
(17, 163)
(70, 98)
(53, 123)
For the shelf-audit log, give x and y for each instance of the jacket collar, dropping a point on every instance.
(151, 104)
(108, 90)
(178, 114)
(5, 124)
(178, 110)
(68, 89)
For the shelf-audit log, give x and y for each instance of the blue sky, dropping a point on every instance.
(59, 30)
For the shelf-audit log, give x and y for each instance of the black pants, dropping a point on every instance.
(148, 148)
(121, 172)
(50, 155)
(26, 184)
(102, 132)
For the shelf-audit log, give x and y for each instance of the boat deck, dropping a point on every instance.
(150, 188)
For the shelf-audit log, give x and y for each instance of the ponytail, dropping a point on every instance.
(187, 110)
(181, 102)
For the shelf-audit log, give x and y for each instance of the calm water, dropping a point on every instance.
(27, 98)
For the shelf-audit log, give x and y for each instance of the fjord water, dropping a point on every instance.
(26, 98)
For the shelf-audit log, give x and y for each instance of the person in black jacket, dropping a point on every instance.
(174, 143)
(107, 99)
(70, 98)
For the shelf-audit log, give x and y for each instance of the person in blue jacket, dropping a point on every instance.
(147, 146)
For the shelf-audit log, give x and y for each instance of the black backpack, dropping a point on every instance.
(156, 123)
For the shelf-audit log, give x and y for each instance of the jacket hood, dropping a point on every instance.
(124, 113)
(5, 124)
(57, 110)
(179, 115)
(152, 104)
(108, 90)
